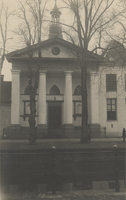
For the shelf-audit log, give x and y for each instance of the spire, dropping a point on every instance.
(55, 7)
(55, 27)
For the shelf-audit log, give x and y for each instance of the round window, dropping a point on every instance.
(55, 50)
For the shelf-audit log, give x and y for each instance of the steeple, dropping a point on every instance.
(55, 27)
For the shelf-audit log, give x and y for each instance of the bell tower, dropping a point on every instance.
(55, 27)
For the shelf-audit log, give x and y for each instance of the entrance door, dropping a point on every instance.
(54, 117)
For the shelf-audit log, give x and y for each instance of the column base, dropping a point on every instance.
(95, 130)
(69, 130)
(41, 130)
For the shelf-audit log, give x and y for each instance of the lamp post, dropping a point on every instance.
(53, 171)
(116, 169)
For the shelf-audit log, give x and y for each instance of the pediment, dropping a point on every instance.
(53, 48)
(56, 50)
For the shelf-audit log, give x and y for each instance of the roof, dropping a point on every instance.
(115, 52)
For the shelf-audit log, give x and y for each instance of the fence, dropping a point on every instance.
(60, 166)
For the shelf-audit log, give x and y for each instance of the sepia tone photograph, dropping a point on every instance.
(62, 99)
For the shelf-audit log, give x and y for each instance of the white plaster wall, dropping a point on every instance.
(114, 127)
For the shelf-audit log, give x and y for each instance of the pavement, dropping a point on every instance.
(60, 140)
(71, 195)
(45, 144)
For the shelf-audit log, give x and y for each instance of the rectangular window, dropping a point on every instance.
(26, 109)
(77, 109)
(111, 84)
(111, 109)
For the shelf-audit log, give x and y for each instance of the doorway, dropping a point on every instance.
(54, 116)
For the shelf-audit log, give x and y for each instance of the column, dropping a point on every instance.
(15, 98)
(68, 104)
(42, 121)
(94, 106)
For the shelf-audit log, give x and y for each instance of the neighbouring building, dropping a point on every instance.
(58, 98)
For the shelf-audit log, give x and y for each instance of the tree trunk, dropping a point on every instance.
(32, 121)
(32, 94)
(84, 127)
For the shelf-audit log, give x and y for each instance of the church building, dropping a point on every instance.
(58, 98)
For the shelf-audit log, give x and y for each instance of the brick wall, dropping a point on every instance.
(5, 117)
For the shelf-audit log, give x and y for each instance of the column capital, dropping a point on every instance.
(42, 71)
(15, 71)
(68, 72)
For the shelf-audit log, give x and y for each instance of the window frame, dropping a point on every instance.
(54, 90)
(75, 114)
(25, 114)
(77, 90)
(109, 115)
(110, 86)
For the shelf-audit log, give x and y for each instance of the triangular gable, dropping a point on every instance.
(67, 50)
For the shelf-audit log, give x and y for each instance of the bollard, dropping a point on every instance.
(116, 170)
(53, 170)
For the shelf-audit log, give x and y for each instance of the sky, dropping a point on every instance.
(14, 43)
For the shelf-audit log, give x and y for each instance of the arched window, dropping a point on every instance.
(27, 90)
(54, 90)
(77, 90)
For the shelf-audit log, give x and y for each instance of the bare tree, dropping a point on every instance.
(31, 14)
(92, 18)
(5, 14)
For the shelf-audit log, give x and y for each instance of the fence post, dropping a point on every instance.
(53, 170)
(116, 169)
